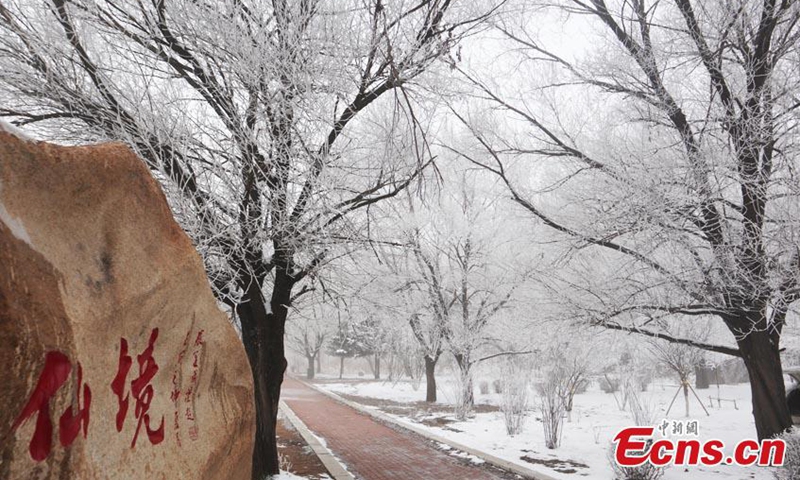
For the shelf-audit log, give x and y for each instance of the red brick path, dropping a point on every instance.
(371, 450)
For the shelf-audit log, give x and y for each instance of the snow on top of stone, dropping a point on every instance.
(13, 224)
(8, 128)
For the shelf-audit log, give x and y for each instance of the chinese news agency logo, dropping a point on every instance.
(633, 446)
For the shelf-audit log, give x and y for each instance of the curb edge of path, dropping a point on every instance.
(332, 464)
(488, 458)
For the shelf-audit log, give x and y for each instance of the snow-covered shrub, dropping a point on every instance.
(573, 362)
(645, 471)
(498, 386)
(484, 387)
(552, 407)
(791, 462)
(515, 407)
(643, 413)
(514, 396)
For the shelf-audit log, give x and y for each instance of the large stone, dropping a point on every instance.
(108, 327)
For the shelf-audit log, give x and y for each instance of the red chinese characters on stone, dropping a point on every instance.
(189, 395)
(118, 384)
(141, 390)
(175, 394)
(199, 340)
(70, 424)
(57, 368)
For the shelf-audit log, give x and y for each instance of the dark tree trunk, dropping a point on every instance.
(310, 369)
(341, 367)
(430, 379)
(377, 369)
(760, 352)
(262, 335)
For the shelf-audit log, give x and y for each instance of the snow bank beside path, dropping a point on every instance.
(595, 421)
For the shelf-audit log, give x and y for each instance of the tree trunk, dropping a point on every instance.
(341, 367)
(377, 369)
(685, 383)
(310, 369)
(467, 391)
(761, 356)
(262, 335)
(430, 379)
(319, 361)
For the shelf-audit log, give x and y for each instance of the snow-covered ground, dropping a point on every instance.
(596, 419)
(293, 476)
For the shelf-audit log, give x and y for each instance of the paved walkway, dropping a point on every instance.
(371, 450)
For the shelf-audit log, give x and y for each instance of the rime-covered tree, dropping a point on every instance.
(464, 273)
(307, 331)
(348, 341)
(374, 337)
(680, 358)
(663, 153)
(245, 111)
